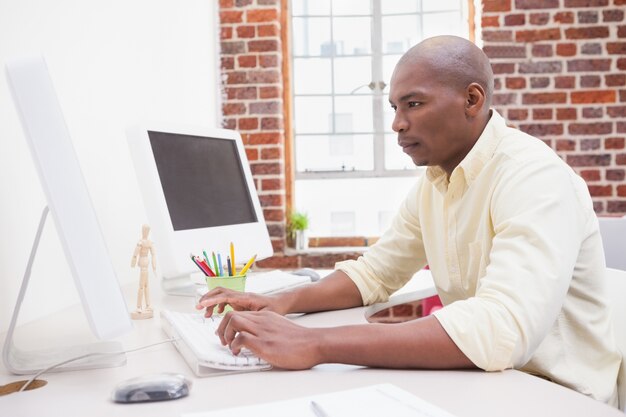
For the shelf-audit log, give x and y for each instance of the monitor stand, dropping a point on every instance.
(95, 355)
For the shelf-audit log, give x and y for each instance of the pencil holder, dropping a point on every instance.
(237, 283)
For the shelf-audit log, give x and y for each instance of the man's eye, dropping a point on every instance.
(394, 108)
(413, 103)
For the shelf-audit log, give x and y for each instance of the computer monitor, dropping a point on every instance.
(77, 226)
(199, 194)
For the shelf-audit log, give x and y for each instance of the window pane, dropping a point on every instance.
(384, 221)
(342, 223)
(309, 7)
(351, 196)
(389, 64)
(440, 5)
(310, 35)
(334, 153)
(311, 76)
(355, 114)
(388, 115)
(448, 23)
(352, 35)
(401, 6)
(351, 7)
(352, 75)
(400, 33)
(335, 133)
(312, 114)
(394, 157)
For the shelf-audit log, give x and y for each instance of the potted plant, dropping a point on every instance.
(297, 225)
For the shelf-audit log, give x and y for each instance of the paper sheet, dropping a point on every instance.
(371, 401)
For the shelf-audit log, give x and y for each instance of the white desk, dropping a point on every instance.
(463, 393)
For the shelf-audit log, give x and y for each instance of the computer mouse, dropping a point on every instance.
(154, 387)
(307, 272)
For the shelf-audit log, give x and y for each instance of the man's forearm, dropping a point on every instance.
(334, 292)
(421, 343)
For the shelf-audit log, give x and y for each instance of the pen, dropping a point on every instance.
(219, 263)
(232, 259)
(208, 263)
(200, 264)
(208, 269)
(318, 410)
(230, 269)
(248, 265)
(203, 263)
(217, 270)
(197, 264)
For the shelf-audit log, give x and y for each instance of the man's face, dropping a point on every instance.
(430, 117)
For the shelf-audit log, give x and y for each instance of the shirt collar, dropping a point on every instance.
(475, 160)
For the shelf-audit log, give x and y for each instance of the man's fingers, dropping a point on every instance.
(219, 297)
(238, 300)
(210, 294)
(237, 323)
(269, 336)
(234, 322)
(211, 299)
(248, 341)
(220, 328)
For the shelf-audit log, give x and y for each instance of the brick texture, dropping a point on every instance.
(560, 75)
(250, 49)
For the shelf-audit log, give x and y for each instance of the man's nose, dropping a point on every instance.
(399, 123)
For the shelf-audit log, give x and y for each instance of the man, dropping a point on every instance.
(509, 233)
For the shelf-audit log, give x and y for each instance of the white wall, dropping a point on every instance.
(113, 63)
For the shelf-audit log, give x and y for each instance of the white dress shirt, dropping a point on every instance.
(514, 248)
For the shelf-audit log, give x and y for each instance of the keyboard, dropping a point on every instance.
(197, 342)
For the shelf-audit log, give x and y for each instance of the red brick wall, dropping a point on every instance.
(252, 98)
(560, 68)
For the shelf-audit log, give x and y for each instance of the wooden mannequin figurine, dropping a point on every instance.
(143, 248)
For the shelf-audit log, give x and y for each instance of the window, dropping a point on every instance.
(342, 223)
(345, 153)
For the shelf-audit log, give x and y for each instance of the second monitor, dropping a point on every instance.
(199, 194)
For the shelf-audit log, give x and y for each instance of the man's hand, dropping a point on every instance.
(271, 337)
(239, 301)
(257, 324)
(415, 344)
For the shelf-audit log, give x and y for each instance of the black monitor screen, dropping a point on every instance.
(202, 179)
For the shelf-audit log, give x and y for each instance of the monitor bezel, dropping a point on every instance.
(174, 246)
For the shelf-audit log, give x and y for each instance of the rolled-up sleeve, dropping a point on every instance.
(533, 253)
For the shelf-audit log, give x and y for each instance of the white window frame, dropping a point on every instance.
(377, 86)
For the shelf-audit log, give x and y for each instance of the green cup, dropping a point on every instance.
(237, 283)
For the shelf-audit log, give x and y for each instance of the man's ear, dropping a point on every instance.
(474, 99)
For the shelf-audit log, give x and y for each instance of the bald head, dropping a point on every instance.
(454, 61)
(441, 92)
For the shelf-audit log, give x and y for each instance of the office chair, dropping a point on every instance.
(616, 290)
(613, 232)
